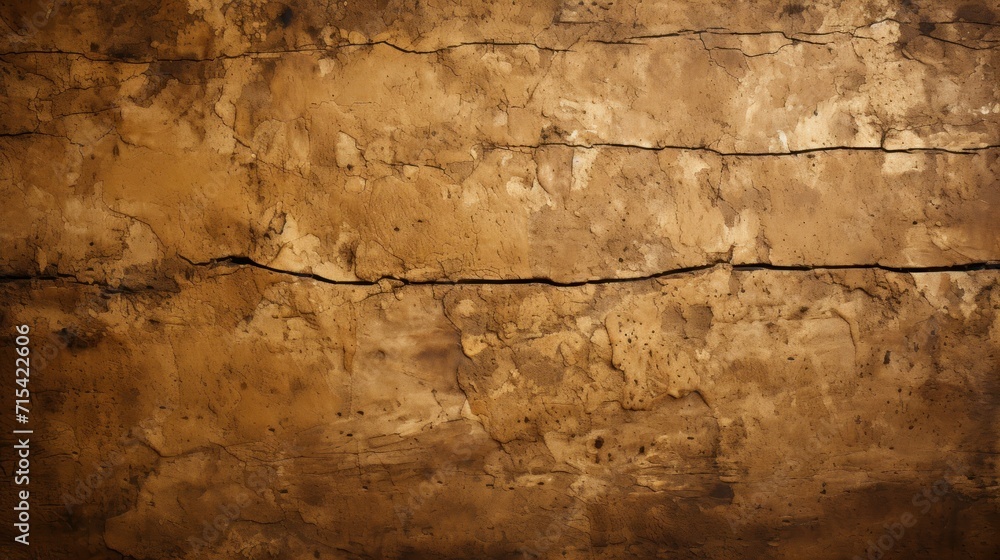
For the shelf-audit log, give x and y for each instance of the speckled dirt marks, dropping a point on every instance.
(572, 280)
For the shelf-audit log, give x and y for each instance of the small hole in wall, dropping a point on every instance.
(286, 16)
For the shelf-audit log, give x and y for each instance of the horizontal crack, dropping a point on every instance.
(965, 150)
(243, 261)
(970, 150)
(248, 262)
(794, 36)
(108, 288)
(305, 49)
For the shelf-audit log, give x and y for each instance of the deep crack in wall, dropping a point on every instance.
(599, 279)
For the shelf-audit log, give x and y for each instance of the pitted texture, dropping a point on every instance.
(563, 279)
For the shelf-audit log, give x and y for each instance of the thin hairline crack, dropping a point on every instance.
(241, 261)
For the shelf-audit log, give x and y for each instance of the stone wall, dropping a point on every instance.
(576, 280)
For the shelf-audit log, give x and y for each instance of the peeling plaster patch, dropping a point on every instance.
(897, 164)
(940, 289)
(783, 140)
(299, 250)
(534, 196)
(583, 160)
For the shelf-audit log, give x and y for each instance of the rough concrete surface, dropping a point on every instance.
(561, 279)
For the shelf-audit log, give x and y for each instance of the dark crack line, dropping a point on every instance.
(106, 288)
(242, 261)
(636, 40)
(304, 49)
(458, 45)
(246, 262)
(965, 151)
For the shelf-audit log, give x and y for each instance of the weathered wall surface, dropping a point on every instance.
(487, 280)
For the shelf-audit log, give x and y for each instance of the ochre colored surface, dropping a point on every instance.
(567, 280)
